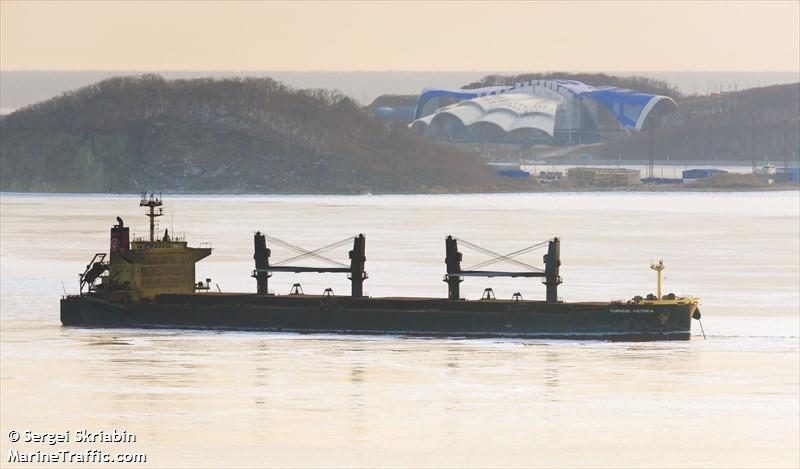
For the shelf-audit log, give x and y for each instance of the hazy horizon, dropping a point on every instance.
(21, 88)
(367, 49)
(477, 70)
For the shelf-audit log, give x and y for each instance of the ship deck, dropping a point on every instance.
(221, 296)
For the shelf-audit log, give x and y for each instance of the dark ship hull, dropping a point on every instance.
(399, 316)
(151, 283)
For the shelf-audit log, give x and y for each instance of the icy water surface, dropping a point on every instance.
(206, 398)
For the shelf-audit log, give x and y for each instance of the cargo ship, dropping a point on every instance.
(150, 283)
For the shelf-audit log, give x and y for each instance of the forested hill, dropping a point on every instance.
(761, 122)
(227, 135)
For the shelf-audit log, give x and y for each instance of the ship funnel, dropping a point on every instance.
(120, 239)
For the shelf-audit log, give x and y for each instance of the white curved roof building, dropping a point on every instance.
(549, 109)
(508, 112)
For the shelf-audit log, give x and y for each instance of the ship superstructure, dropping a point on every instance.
(143, 268)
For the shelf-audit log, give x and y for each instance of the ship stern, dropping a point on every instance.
(72, 310)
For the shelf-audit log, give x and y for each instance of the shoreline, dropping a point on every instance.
(645, 189)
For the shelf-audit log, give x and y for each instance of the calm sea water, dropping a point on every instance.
(204, 398)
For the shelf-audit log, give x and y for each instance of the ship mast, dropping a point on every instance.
(658, 268)
(152, 202)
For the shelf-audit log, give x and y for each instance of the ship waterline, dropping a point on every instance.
(397, 316)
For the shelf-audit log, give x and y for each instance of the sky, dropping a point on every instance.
(448, 36)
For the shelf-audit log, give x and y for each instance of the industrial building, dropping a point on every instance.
(792, 174)
(547, 111)
(510, 170)
(691, 174)
(605, 177)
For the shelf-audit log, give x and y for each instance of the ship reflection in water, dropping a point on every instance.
(208, 398)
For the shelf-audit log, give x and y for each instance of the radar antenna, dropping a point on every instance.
(152, 201)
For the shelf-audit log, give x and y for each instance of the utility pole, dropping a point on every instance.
(753, 139)
(786, 148)
(651, 149)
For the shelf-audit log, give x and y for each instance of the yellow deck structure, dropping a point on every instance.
(145, 268)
